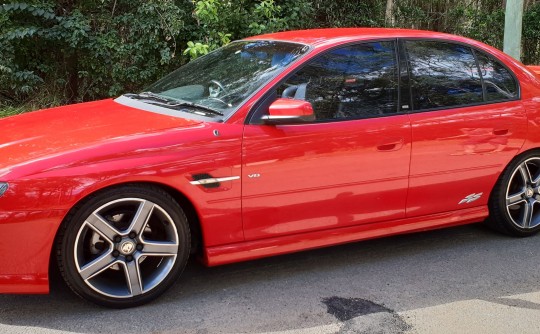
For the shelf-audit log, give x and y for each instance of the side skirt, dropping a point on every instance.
(255, 249)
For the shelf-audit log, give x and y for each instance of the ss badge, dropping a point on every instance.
(471, 198)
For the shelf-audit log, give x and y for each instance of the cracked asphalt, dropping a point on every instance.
(465, 279)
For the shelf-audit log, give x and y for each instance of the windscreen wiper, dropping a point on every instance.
(172, 102)
(200, 106)
(156, 97)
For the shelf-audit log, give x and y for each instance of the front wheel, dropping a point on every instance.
(515, 202)
(124, 247)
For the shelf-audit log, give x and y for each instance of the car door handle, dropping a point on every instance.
(393, 145)
(500, 132)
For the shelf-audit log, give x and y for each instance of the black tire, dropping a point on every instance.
(134, 266)
(514, 204)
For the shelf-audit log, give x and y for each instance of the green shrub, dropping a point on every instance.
(90, 50)
(531, 35)
(64, 51)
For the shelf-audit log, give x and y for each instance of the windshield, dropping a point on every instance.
(220, 81)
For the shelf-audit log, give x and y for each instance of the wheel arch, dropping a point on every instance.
(514, 158)
(185, 203)
(494, 219)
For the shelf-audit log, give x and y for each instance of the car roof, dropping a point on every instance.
(320, 37)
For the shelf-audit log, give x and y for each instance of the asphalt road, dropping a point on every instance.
(459, 280)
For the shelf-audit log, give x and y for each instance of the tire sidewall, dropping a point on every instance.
(498, 202)
(66, 254)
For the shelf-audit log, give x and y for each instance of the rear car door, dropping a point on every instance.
(348, 167)
(467, 124)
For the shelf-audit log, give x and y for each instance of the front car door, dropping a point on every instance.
(348, 167)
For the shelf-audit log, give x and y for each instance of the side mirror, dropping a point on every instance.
(289, 111)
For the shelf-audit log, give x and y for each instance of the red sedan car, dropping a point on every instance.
(270, 145)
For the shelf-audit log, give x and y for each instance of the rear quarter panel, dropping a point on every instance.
(530, 90)
(535, 69)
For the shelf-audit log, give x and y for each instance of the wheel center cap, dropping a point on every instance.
(529, 192)
(127, 247)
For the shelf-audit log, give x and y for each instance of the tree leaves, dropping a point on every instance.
(89, 49)
(219, 22)
(65, 51)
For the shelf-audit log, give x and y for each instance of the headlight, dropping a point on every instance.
(3, 188)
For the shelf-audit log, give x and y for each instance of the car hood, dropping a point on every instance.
(40, 135)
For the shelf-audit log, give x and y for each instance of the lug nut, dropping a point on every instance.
(139, 247)
(115, 253)
(129, 258)
(132, 235)
(117, 238)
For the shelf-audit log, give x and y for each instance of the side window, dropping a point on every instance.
(443, 75)
(358, 81)
(498, 81)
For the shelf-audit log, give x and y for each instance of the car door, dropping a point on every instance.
(350, 166)
(467, 124)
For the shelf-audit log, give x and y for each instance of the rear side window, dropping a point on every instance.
(443, 75)
(499, 83)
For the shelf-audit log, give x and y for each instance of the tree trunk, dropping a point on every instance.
(389, 18)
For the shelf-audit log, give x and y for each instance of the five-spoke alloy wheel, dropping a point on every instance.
(515, 202)
(125, 246)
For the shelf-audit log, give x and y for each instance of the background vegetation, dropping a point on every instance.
(65, 51)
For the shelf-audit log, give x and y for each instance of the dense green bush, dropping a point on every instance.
(219, 22)
(61, 52)
(531, 35)
(56, 52)
(348, 13)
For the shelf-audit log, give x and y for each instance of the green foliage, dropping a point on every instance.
(61, 51)
(195, 50)
(219, 22)
(485, 23)
(11, 111)
(89, 49)
(349, 13)
(531, 34)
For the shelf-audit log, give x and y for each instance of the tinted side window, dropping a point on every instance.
(443, 75)
(357, 81)
(498, 81)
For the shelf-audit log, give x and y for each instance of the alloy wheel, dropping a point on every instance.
(126, 247)
(523, 194)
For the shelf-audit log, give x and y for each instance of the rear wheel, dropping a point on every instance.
(124, 247)
(515, 202)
